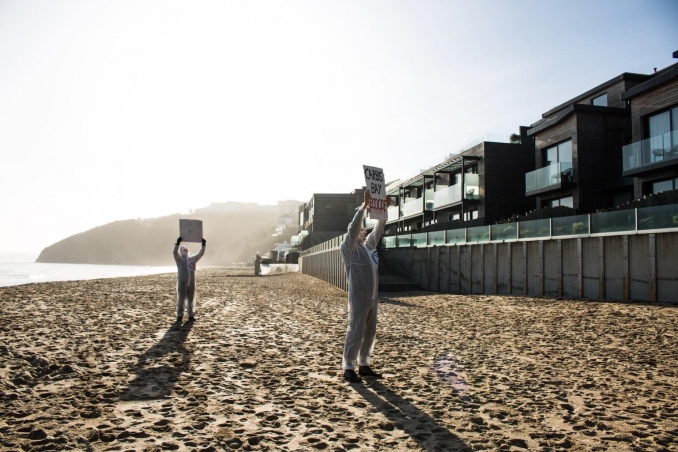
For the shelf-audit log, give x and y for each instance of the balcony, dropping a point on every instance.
(414, 207)
(649, 154)
(548, 178)
(393, 213)
(452, 194)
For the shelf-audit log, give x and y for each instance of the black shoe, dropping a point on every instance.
(179, 319)
(350, 375)
(365, 371)
(191, 319)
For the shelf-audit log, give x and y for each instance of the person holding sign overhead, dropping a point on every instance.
(359, 253)
(186, 266)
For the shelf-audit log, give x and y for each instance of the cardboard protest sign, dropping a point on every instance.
(190, 230)
(376, 185)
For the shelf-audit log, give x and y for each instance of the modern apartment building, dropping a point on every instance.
(577, 143)
(651, 157)
(484, 182)
(325, 216)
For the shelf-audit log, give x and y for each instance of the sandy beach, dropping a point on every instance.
(98, 365)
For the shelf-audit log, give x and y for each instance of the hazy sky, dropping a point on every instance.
(112, 110)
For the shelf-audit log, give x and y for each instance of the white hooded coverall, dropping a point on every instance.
(186, 280)
(362, 263)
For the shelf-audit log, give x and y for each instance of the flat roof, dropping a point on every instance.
(448, 164)
(659, 78)
(602, 86)
(545, 124)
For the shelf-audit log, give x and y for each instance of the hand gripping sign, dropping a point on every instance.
(376, 185)
(190, 230)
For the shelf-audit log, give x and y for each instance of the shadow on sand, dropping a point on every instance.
(159, 367)
(387, 299)
(421, 427)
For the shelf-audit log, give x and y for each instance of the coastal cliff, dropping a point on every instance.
(230, 238)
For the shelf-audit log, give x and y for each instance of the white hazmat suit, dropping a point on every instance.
(186, 265)
(362, 263)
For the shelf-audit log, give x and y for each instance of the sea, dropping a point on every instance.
(15, 273)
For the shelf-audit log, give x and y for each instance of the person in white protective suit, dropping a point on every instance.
(362, 263)
(186, 266)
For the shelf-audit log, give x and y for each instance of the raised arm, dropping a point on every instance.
(176, 250)
(356, 224)
(202, 250)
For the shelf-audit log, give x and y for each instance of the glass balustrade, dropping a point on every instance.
(573, 225)
(404, 241)
(548, 176)
(429, 200)
(616, 221)
(506, 231)
(413, 207)
(436, 238)
(389, 242)
(658, 217)
(535, 228)
(478, 234)
(393, 213)
(471, 186)
(455, 236)
(419, 239)
(448, 195)
(650, 151)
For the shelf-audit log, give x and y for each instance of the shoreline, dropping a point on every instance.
(98, 365)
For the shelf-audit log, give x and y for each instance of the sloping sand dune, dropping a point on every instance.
(98, 365)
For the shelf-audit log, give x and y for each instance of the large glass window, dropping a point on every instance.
(662, 134)
(565, 202)
(664, 185)
(470, 215)
(600, 101)
(559, 153)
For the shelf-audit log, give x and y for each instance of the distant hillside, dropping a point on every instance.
(230, 237)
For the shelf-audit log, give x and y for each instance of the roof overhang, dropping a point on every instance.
(575, 108)
(659, 79)
(451, 165)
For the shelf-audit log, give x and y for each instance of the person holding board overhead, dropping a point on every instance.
(359, 253)
(186, 266)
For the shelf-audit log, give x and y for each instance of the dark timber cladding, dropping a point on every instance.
(500, 171)
(327, 215)
(597, 134)
(657, 94)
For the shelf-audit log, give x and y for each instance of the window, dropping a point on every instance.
(664, 185)
(565, 202)
(471, 215)
(559, 153)
(662, 131)
(600, 101)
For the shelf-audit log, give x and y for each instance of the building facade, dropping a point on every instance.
(325, 216)
(577, 159)
(651, 157)
(482, 183)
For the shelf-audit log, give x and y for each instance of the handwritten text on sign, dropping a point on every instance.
(376, 185)
(190, 230)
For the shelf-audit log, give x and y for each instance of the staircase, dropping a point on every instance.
(390, 281)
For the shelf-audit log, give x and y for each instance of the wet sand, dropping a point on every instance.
(99, 365)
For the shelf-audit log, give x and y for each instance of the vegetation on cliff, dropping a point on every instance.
(232, 237)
